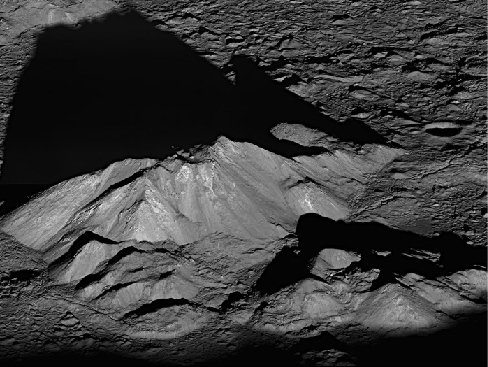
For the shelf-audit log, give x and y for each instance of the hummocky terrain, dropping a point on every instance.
(243, 183)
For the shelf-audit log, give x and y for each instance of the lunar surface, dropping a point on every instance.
(243, 183)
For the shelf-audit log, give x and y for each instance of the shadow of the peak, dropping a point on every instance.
(272, 103)
(394, 252)
(111, 89)
(118, 87)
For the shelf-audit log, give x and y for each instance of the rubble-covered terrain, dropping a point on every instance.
(243, 183)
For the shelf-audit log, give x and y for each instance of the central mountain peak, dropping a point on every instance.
(234, 188)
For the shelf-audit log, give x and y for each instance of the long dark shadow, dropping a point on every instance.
(117, 88)
(272, 103)
(407, 252)
(76, 246)
(111, 89)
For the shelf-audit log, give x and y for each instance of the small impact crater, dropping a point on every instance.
(443, 129)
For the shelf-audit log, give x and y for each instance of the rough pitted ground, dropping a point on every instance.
(413, 71)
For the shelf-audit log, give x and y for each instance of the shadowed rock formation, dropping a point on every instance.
(118, 88)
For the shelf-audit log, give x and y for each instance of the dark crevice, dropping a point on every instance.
(116, 186)
(340, 16)
(304, 181)
(115, 288)
(410, 66)
(76, 246)
(155, 306)
(90, 279)
(444, 132)
(261, 307)
(284, 38)
(165, 274)
(478, 300)
(154, 277)
(25, 274)
(127, 251)
(407, 253)
(124, 182)
(202, 30)
(439, 31)
(231, 299)
(95, 277)
(121, 285)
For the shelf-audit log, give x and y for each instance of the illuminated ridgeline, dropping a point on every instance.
(233, 188)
